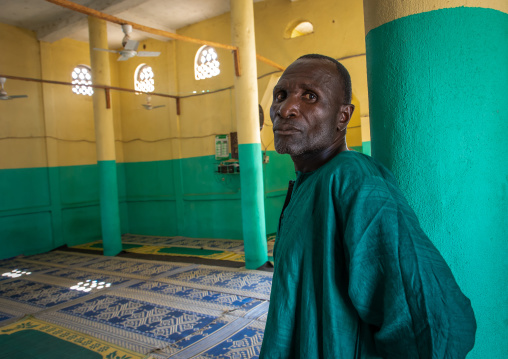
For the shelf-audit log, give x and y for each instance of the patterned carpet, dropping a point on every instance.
(212, 249)
(136, 308)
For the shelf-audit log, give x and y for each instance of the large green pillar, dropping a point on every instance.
(105, 137)
(249, 140)
(438, 86)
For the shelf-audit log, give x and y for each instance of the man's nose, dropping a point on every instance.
(289, 108)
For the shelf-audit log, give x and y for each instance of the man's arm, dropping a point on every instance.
(398, 281)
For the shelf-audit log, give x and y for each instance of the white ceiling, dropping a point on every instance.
(52, 22)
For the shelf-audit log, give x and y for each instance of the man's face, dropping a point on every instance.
(306, 107)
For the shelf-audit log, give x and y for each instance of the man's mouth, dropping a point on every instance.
(285, 130)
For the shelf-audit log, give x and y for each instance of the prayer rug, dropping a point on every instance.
(35, 338)
(138, 308)
(246, 343)
(40, 295)
(5, 316)
(58, 259)
(254, 284)
(171, 251)
(178, 241)
(204, 248)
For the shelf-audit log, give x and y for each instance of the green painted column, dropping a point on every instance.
(249, 140)
(438, 82)
(105, 137)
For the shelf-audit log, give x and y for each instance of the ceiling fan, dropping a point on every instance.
(148, 105)
(130, 47)
(3, 93)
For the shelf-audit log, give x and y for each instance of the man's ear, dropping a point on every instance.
(346, 111)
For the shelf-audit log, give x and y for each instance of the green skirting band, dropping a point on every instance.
(253, 213)
(366, 148)
(110, 212)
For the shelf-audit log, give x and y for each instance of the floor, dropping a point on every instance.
(142, 308)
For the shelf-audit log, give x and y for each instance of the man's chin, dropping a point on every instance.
(284, 150)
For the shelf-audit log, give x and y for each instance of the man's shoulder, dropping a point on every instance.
(356, 163)
(352, 169)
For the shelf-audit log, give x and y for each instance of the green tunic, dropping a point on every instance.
(356, 277)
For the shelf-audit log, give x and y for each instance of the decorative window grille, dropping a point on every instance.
(82, 78)
(144, 79)
(303, 28)
(298, 28)
(206, 63)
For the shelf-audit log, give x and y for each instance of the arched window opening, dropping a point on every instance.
(206, 63)
(144, 78)
(82, 79)
(300, 28)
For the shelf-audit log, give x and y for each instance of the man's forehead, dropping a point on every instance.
(306, 72)
(312, 63)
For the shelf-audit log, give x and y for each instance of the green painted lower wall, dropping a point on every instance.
(44, 208)
(366, 148)
(208, 202)
(26, 233)
(24, 188)
(439, 118)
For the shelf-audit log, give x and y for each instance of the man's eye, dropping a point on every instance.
(309, 96)
(279, 96)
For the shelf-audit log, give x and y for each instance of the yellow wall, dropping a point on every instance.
(202, 117)
(53, 126)
(149, 135)
(22, 131)
(69, 117)
(62, 122)
(338, 32)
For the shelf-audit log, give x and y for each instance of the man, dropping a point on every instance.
(354, 276)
